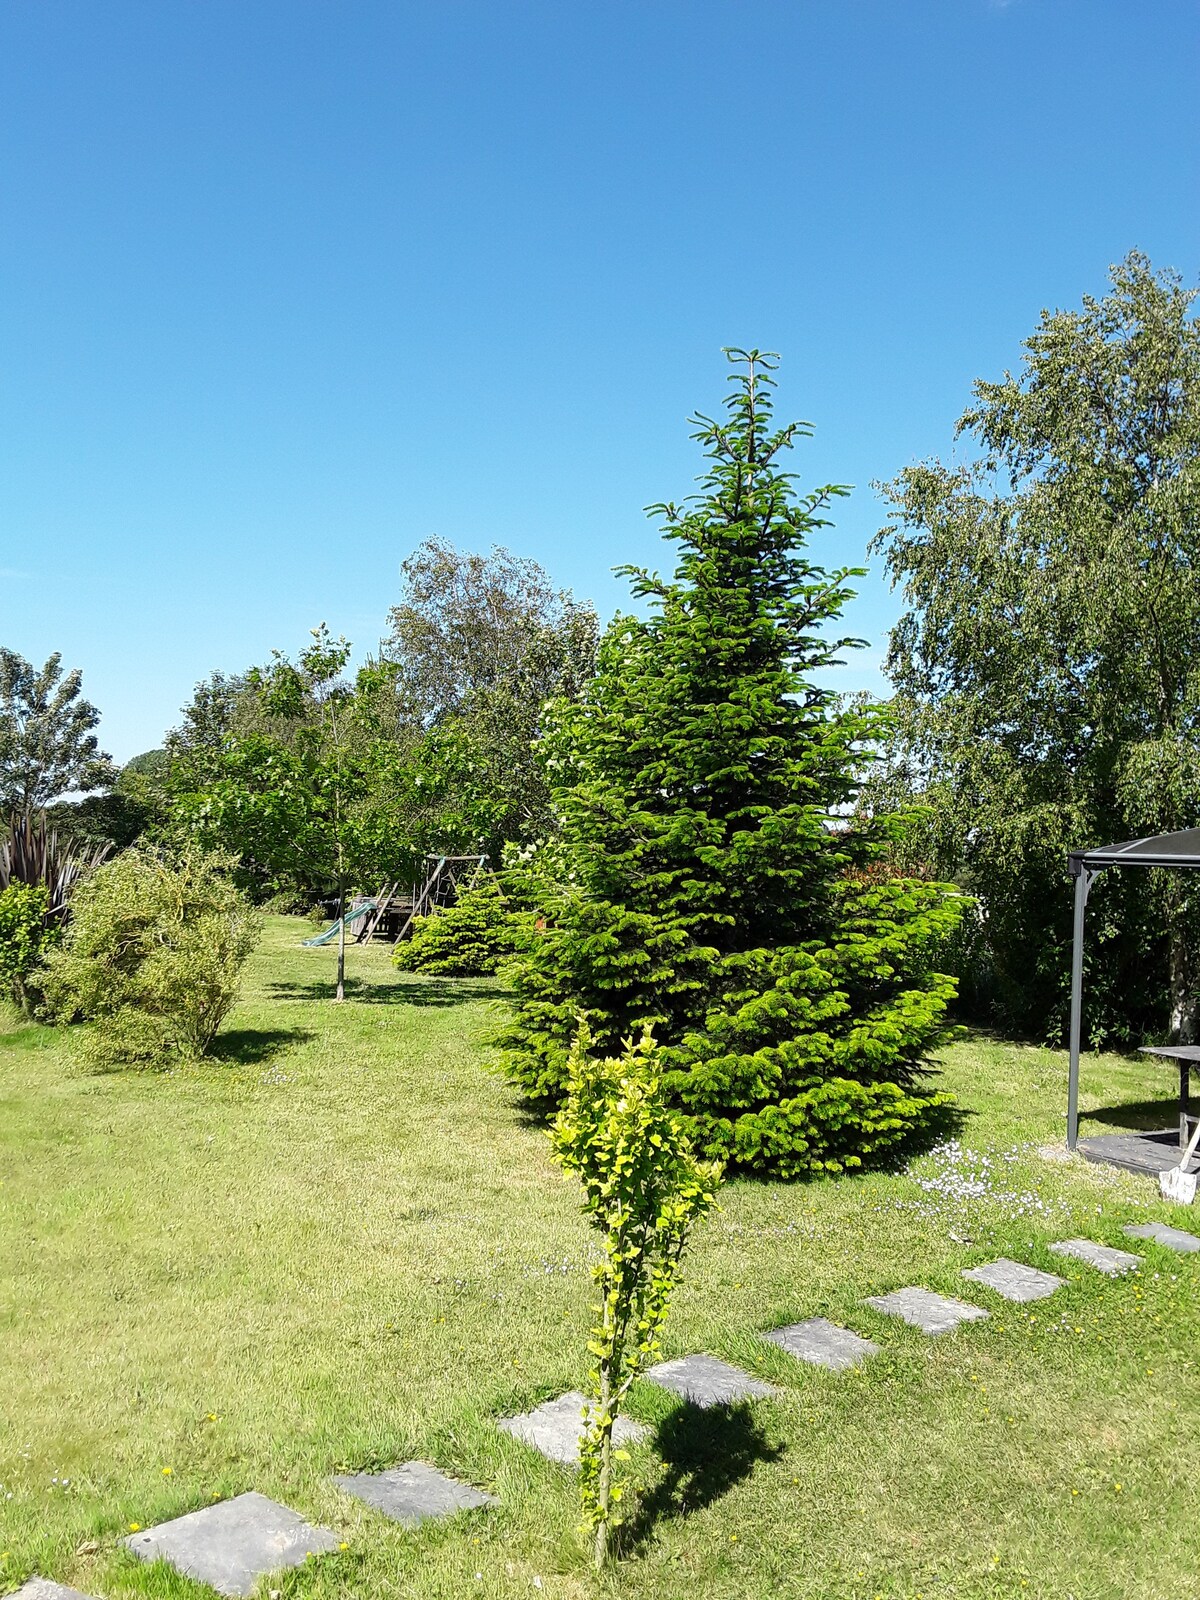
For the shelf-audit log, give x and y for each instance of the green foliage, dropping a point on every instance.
(1046, 669)
(152, 957)
(32, 852)
(643, 1190)
(47, 747)
(472, 938)
(709, 880)
(27, 933)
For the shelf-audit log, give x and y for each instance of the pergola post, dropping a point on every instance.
(1083, 882)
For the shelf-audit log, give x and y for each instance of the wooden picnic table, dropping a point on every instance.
(1185, 1055)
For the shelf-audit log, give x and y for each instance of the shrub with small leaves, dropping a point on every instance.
(644, 1187)
(27, 933)
(470, 939)
(152, 957)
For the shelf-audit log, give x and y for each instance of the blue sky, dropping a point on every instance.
(287, 287)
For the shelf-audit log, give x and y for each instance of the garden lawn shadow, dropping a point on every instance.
(705, 1452)
(404, 991)
(250, 1046)
(1143, 1116)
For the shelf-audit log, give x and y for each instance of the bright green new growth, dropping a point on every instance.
(152, 957)
(26, 935)
(644, 1188)
(709, 879)
(470, 939)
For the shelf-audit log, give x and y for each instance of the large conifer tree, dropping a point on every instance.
(710, 881)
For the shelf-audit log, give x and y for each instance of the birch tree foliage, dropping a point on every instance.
(1047, 665)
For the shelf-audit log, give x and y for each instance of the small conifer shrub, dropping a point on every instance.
(712, 881)
(472, 938)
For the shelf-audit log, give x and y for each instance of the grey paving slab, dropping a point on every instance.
(823, 1344)
(45, 1589)
(1101, 1256)
(706, 1381)
(234, 1543)
(554, 1428)
(922, 1308)
(412, 1492)
(1014, 1280)
(1173, 1238)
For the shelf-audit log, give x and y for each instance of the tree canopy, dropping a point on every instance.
(47, 746)
(1047, 667)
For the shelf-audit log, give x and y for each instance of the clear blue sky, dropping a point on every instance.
(286, 287)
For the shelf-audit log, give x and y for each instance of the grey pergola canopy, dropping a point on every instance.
(1180, 849)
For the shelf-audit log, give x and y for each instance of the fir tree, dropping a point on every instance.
(711, 884)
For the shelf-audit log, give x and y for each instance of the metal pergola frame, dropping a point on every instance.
(1159, 850)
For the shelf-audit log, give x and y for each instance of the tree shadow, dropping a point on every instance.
(704, 1454)
(401, 991)
(248, 1046)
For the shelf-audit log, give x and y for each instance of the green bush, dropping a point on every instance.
(472, 938)
(152, 957)
(26, 936)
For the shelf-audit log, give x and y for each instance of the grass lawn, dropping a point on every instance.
(342, 1245)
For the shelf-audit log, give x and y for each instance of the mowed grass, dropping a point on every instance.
(342, 1244)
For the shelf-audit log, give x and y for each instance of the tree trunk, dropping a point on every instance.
(1185, 1009)
(341, 976)
(604, 1485)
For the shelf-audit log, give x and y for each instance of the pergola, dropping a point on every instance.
(1161, 850)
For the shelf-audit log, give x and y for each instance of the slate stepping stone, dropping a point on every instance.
(1101, 1256)
(921, 1308)
(45, 1589)
(823, 1343)
(231, 1545)
(413, 1492)
(704, 1381)
(1014, 1280)
(555, 1426)
(1173, 1238)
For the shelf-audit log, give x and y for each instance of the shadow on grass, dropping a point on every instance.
(403, 991)
(704, 1454)
(248, 1046)
(1143, 1116)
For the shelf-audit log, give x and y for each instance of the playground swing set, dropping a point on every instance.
(391, 913)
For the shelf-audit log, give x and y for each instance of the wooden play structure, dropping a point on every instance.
(390, 914)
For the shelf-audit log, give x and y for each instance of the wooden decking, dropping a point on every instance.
(1149, 1153)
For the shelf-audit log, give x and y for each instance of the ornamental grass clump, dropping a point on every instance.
(643, 1189)
(713, 877)
(152, 957)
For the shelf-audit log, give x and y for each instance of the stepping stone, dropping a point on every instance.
(1014, 1280)
(45, 1589)
(413, 1492)
(555, 1427)
(921, 1308)
(823, 1343)
(1101, 1256)
(704, 1381)
(231, 1545)
(1173, 1238)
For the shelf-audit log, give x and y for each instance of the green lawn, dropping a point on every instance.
(342, 1244)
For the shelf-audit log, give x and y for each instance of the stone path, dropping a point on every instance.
(233, 1544)
(921, 1308)
(44, 1589)
(704, 1381)
(554, 1428)
(413, 1492)
(823, 1344)
(1173, 1238)
(1101, 1256)
(230, 1546)
(1014, 1280)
